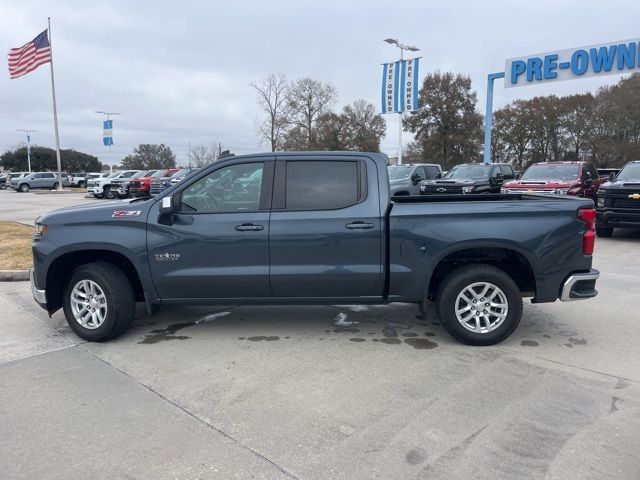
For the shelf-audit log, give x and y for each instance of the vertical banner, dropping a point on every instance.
(400, 84)
(410, 83)
(107, 134)
(390, 85)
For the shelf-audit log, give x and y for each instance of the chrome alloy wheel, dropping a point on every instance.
(88, 304)
(481, 307)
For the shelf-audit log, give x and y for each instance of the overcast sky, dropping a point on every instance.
(180, 70)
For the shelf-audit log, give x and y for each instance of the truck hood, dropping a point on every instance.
(97, 212)
(541, 184)
(458, 182)
(631, 186)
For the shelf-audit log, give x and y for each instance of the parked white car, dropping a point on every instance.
(101, 187)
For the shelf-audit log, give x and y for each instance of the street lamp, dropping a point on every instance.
(402, 47)
(28, 132)
(108, 114)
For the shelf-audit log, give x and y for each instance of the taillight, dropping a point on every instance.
(588, 215)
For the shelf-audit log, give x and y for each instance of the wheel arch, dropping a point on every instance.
(62, 267)
(512, 260)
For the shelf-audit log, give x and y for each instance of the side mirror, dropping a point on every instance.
(499, 178)
(167, 206)
(415, 178)
(612, 177)
(587, 179)
(518, 175)
(438, 175)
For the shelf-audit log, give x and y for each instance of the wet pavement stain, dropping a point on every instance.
(420, 343)
(546, 336)
(263, 338)
(621, 384)
(345, 330)
(578, 341)
(389, 331)
(409, 334)
(168, 333)
(415, 456)
(429, 334)
(357, 339)
(529, 343)
(392, 340)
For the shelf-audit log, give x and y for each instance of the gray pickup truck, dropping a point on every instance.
(313, 228)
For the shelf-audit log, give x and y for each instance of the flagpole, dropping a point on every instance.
(55, 110)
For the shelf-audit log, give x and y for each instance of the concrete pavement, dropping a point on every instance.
(277, 392)
(26, 207)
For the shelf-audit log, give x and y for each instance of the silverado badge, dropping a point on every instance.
(167, 257)
(126, 213)
(635, 196)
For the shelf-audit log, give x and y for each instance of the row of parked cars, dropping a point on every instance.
(616, 193)
(136, 183)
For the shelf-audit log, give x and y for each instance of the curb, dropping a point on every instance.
(14, 275)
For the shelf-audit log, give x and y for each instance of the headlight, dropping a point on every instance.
(40, 231)
(467, 189)
(562, 191)
(504, 190)
(600, 201)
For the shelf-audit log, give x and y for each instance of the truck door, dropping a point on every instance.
(217, 245)
(325, 230)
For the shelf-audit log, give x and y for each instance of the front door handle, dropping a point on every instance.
(249, 227)
(358, 225)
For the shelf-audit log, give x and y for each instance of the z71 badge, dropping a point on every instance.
(127, 213)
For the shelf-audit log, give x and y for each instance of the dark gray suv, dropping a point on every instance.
(405, 179)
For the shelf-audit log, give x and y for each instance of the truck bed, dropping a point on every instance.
(492, 197)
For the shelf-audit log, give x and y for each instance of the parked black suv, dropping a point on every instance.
(470, 178)
(618, 202)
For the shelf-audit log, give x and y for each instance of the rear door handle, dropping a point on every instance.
(358, 225)
(249, 227)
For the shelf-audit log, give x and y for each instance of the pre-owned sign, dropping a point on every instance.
(581, 62)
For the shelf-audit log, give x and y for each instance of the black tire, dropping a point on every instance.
(604, 232)
(97, 195)
(80, 184)
(107, 193)
(119, 295)
(454, 284)
(24, 188)
(55, 186)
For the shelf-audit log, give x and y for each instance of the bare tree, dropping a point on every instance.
(273, 99)
(202, 155)
(308, 100)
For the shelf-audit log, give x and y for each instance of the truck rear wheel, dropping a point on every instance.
(24, 188)
(107, 193)
(479, 304)
(99, 303)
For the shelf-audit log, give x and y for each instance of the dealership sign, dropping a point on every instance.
(581, 62)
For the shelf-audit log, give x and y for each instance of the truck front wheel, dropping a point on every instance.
(479, 304)
(99, 303)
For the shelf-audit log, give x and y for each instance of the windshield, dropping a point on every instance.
(552, 172)
(141, 174)
(159, 173)
(469, 171)
(114, 175)
(630, 172)
(180, 173)
(397, 172)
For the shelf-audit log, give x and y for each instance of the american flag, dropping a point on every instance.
(30, 56)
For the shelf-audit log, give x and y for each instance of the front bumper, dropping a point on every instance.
(618, 218)
(580, 286)
(40, 296)
(95, 189)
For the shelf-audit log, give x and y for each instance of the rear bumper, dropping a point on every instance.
(580, 286)
(618, 218)
(40, 296)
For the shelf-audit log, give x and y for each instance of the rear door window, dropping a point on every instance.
(321, 185)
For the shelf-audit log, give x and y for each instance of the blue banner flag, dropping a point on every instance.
(400, 85)
(107, 133)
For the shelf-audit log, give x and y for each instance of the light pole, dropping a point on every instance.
(28, 132)
(108, 114)
(402, 47)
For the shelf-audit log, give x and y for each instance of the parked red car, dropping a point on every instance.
(564, 178)
(139, 187)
